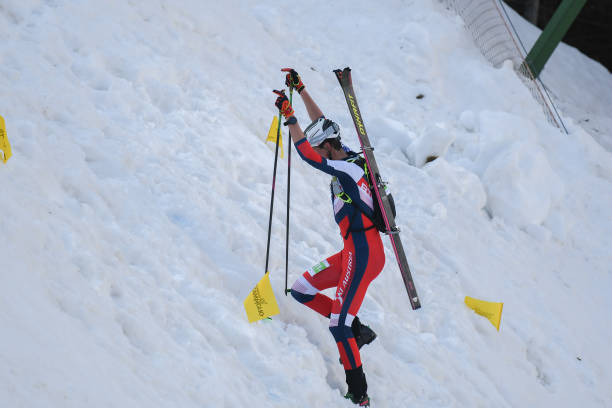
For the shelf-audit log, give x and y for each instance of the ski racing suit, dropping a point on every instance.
(352, 269)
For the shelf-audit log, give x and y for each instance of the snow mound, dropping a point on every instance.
(521, 186)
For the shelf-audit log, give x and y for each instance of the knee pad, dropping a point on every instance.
(302, 290)
(300, 297)
(340, 333)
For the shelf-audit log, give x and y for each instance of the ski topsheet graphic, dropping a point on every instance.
(344, 77)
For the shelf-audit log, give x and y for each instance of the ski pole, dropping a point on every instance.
(288, 197)
(273, 185)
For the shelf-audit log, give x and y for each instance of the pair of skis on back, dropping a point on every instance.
(344, 77)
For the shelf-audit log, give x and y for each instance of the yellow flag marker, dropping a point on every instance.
(272, 135)
(490, 310)
(261, 303)
(5, 146)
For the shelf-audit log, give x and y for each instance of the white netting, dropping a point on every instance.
(497, 42)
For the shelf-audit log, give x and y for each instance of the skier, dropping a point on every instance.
(362, 258)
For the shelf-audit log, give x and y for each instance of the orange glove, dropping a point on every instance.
(293, 79)
(282, 103)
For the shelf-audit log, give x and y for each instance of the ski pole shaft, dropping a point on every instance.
(288, 197)
(273, 186)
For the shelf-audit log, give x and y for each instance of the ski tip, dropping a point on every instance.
(343, 75)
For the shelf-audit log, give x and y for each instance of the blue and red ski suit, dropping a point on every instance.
(352, 269)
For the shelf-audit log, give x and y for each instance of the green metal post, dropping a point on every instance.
(556, 28)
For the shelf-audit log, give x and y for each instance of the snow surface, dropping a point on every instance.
(135, 209)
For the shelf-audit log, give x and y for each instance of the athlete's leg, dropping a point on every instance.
(322, 276)
(363, 259)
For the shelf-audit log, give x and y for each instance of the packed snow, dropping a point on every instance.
(135, 209)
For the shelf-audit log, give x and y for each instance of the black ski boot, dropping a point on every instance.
(364, 402)
(362, 333)
(357, 387)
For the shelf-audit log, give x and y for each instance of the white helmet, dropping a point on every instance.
(320, 130)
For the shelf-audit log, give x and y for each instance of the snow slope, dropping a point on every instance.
(135, 210)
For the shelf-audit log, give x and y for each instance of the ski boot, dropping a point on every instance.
(362, 333)
(363, 402)
(357, 387)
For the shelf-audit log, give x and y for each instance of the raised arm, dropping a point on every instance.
(293, 79)
(313, 109)
(304, 149)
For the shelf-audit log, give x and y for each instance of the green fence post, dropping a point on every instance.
(556, 28)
